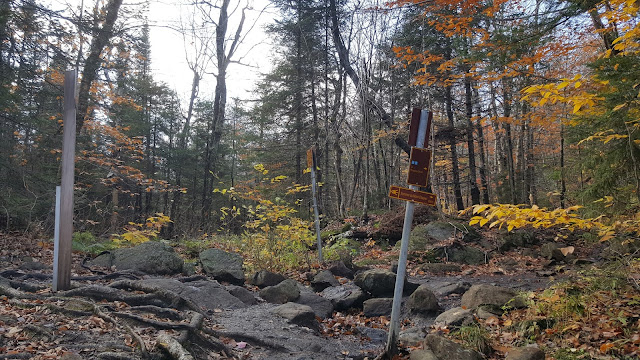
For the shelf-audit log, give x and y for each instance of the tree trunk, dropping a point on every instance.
(455, 171)
(473, 182)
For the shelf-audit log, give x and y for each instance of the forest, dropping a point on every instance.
(536, 130)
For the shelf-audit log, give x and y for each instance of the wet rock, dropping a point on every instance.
(151, 257)
(525, 353)
(491, 295)
(205, 293)
(455, 317)
(222, 265)
(421, 354)
(284, 292)
(411, 336)
(439, 268)
(340, 269)
(377, 307)
(456, 288)
(423, 300)
(266, 278)
(297, 314)
(323, 280)
(243, 294)
(345, 296)
(446, 349)
(322, 307)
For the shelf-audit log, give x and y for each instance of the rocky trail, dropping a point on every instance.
(147, 303)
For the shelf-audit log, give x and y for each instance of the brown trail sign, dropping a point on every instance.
(416, 196)
(419, 163)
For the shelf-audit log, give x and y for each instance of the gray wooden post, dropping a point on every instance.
(56, 240)
(315, 205)
(404, 250)
(63, 269)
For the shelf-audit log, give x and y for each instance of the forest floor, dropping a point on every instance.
(594, 315)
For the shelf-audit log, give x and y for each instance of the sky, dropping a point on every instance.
(168, 54)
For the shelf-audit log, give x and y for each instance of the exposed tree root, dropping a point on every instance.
(173, 347)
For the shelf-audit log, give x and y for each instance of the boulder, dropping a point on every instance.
(207, 294)
(456, 316)
(297, 314)
(551, 251)
(188, 269)
(421, 354)
(266, 278)
(380, 283)
(444, 230)
(284, 292)
(411, 336)
(344, 297)
(462, 254)
(376, 336)
(446, 349)
(423, 300)
(440, 268)
(455, 288)
(377, 307)
(487, 311)
(525, 353)
(151, 257)
(515, 239)
(222, 265)
(491, 295)
(323, 280)
(340, 269)
(243, 294)
(323, 308)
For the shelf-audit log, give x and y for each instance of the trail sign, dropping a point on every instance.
(414, 126)
(419, 162)
(311, 157)
(406, 194)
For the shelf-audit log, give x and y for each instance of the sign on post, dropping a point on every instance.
(419, 163)
(416, 196)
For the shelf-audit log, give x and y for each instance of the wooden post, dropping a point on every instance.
(421, 141)
(63, 269)
(311, 161)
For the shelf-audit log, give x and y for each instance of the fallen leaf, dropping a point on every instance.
(605, 347)
(241, 345)
(567, 250)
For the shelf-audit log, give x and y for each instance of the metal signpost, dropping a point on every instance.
(62, 247)
(418, 176)
(311, 163)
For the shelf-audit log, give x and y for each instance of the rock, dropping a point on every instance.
(377, 336)
(462, 254)
(284, 292)
(222, 265)
(409, 288)
(322, 307)
(487, 311)
(104, 260)
(469, 272)
(456, 316)
(439, 268)
(323, 280)
(421, 354)
(515, 239)
(243, 294)
(340, 269)
(525, 353)
(447, 349)
(266, 278)
(411, 336)
(344, 297)
(70, 356)
(377, 307)
(188, 269)
(444, 230)
(551, 251)
(297, 314)
(456, 288)
(33, 265)
(491, 295)
(208, 294)
(379, 282)
(423, 300)
(151, 257)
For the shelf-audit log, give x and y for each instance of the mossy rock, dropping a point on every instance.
(424, 235)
